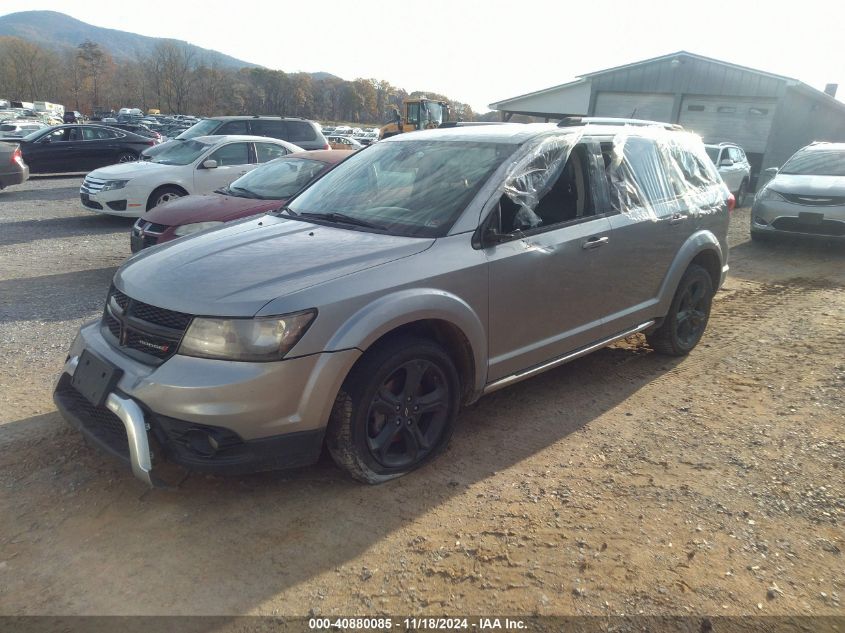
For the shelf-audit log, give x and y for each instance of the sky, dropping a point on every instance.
(480, 52)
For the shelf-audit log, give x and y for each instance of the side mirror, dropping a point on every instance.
(726, 162)
(771, 171)
(209, 164)
(492, 237)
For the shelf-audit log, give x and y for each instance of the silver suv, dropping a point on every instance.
(416, 276)
(733, 167)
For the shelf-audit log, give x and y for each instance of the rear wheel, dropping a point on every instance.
(395, 411)
(684, 326)
(162, 195)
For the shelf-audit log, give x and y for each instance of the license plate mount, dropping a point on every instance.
(95, 377)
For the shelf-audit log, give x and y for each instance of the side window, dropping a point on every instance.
(233, 127)
(269, 151)
(273, 129)
(548, 194)
(90, 133)
(734, 154)
(300, 131)
(231, 154)
(637, 175)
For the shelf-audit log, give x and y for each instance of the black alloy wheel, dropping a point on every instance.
(395, 411)
(684, 325)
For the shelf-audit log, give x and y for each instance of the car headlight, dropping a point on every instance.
(113, 184)
(259, 340)
(187, 229)
(767, 193)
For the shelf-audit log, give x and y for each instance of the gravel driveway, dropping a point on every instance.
(624, 482)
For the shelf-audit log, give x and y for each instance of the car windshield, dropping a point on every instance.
(202, 128)
(280, 178)
(713, 153)
(816, 163)
(414, 187)
(181, 153)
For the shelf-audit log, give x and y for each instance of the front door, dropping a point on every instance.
(547, 279)
(233, 161)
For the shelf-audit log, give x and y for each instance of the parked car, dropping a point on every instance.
(73, 116)
(13, 169)
(342, 130)
(344, 143)
(265, 188)
(20, 128)
(733, 167)
(75, 148)
(414, 277)
(806, 196)
(199, 165)
(304, 133)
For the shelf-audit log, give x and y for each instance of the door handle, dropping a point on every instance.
(594, 242)
(677, 218)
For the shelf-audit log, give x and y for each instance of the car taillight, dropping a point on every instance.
(17, 156)
(326, 146)
(150, 142)
(731, 202)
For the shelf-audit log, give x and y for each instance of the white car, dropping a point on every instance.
(198, 165)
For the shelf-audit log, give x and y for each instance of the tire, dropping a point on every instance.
(127, 157)
(374, 432)
(686, 321)
(740, 194)
(164, 194)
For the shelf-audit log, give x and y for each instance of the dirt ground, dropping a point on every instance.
(624, 482)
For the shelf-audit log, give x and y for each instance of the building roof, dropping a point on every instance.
(789, 81)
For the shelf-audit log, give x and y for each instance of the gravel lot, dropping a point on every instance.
(624, 482)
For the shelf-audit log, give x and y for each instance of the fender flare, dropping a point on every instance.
(697, 243)
(389, 312)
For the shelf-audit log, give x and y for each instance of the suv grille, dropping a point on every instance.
(143, 331)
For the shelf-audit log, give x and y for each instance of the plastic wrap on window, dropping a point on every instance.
(652, 172)
(533, 176)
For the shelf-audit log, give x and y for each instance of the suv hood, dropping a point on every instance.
(808, 185)
(236, 269)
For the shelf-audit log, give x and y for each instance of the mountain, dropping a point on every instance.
(51, 29)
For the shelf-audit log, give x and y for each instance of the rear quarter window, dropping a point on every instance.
(273, 129)
(300, 131)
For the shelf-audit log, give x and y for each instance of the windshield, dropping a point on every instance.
(278, 179)
(816, 163)
(415, 188)
(180, 153)
(713, 153)
(203, 128)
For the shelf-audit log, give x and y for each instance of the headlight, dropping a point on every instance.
(766, 193)
(113, 184)
(187, 229)
(259, 340)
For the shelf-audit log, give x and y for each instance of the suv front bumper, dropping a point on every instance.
(207, 415)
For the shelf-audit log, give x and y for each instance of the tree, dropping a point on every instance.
(95, 64)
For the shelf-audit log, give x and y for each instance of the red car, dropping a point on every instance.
(263, 189)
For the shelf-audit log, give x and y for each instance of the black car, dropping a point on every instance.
(135, 128)
(73, 116)
(73, 148)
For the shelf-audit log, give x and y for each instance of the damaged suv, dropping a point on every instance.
(418, 275)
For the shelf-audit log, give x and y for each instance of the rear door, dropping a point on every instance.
(99, 147)
(233, 161)
(548, 278)
(265, 127)
(651, 224)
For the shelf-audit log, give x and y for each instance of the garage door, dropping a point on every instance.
(632, 105)
(745, 122)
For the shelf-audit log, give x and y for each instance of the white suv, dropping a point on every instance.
(733, 167)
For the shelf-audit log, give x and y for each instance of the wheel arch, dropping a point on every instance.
(703, 249)
(433, 314)
(170, 185)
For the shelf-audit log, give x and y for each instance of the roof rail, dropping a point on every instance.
(592, 120)
(469, 123)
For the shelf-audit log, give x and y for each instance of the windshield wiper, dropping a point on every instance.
(342, 218)
(246, 193)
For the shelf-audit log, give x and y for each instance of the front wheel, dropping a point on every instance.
(162, 195)
(395, 411)
(684, 326)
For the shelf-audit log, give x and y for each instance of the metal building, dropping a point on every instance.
(769, 115)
